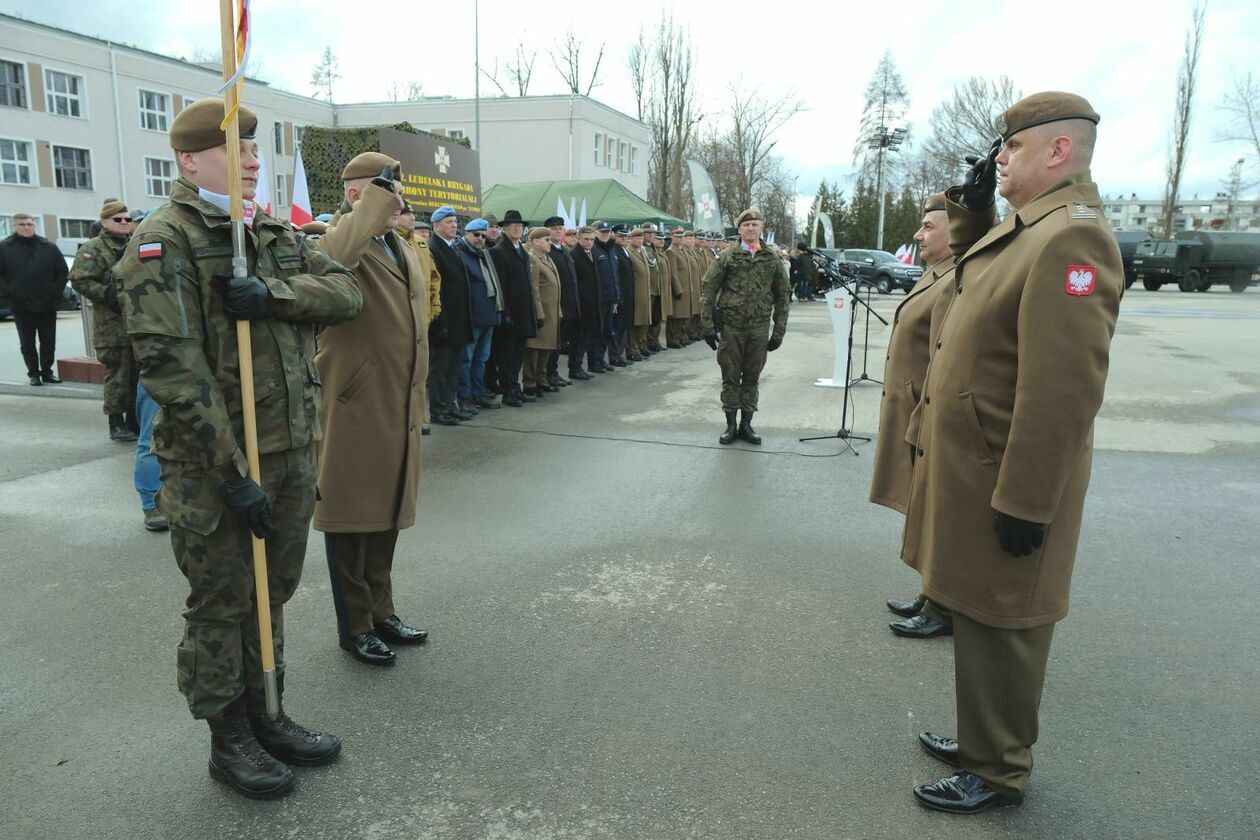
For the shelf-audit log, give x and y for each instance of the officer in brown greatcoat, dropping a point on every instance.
(1005, 441)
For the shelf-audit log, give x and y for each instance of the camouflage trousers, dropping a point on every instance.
(741, 354)
(121, 375)
(219, 657)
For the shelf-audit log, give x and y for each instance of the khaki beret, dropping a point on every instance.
(369, 165)
(538, 233)
(112, 208)
(314, 228)
(752, 214)
(196, 128)
(1041, 108)
(936, 201)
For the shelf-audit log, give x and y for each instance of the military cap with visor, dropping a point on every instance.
(196, 128)
(1041, 108)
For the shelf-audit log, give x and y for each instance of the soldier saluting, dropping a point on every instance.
(181, 307)
(737, 296)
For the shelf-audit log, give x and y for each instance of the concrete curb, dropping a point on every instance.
(64, 390)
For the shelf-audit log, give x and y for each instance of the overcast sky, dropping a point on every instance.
(1122, 56)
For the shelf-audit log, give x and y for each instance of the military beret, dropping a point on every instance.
(443, 212)
(491, 219)
(553, 221)
(314, 228)
(111, 208)
(1041, 108)
(476, 225)
(324, 217)
(196, 128)
(369, 165)
(936, 201)
(538, 233)
(752, 214)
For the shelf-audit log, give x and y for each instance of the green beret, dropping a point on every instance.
(935, 201)
(112, 208)
(752, 214)
(369, 165)
(196, 128)
(1041, 108)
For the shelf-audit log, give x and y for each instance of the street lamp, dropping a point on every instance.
(883, 139)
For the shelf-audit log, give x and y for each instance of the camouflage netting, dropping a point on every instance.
(326, 151)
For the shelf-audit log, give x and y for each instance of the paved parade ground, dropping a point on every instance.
(637, 633)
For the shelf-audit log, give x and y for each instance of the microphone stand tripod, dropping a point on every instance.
(866, 339)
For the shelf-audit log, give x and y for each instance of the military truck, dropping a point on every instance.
(1197, 260)
(1128, 240)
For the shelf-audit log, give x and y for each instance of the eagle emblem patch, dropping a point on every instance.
(1081, 280)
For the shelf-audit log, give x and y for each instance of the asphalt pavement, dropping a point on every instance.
(637, 633)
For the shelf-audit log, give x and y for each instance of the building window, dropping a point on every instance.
(455, 134)
(154, 110)
(12, 84)
(599, 149)
(277, 134)
(299, 131)
(15, 162)
(72, 167)
(75, 228)
(634, 160)
(159, 176)
(1140, 220)
(610, 152)
(621, 157)
(282, 190)
(64, 92)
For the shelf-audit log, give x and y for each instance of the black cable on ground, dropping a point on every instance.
(718, 447)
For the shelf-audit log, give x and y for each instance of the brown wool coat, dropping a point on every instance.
(373, 371)
(699, 265)
(1013, 386)
(904, 371)
(680, 269)
(642, 288)
(546, 302)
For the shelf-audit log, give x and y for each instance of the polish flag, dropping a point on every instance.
(300, 206)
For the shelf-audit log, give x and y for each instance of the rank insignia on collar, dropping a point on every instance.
(1081, 280)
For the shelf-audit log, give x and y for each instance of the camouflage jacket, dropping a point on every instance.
(171, 281)
(93, 277)
(743, 289)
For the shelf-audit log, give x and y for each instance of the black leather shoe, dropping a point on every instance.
(470, 406)
(293, 743)
(674, 345)
(368, 647)
(580, 375)
(464, 415)
(907, 609)
(618, 363)
(524, 397)
(557, 381)
(118, 429)
(512, 401)
(549, 388)
(49, 377)
(920, 626)
(446, 419)
(962, 793)
(393, 629)
(940, 748)
(488, 402)
(240, 762)
(35, 380)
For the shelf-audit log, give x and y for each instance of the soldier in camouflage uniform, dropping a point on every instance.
(93, 277)
(181, 307)
(737, 295)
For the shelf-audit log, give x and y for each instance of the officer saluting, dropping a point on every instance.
(181, 307)
(737, 295)
(1006, 437)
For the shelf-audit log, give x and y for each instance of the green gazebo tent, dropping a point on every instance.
(577, 201)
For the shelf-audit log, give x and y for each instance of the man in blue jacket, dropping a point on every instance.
(485, 305)
(605, 254)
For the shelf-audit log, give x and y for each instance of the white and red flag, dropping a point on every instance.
(300, 205)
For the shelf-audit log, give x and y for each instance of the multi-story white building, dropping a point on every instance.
(83, 119)
(1217, 213)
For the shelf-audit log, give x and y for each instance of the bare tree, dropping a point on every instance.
(1242, 103)
(493, 76)
(1187, 77)
(639, 63)
(754, 120)
(964, 124)
(521, 69)
(325, 73)
(671, 117)
(411, 91)
(566, 57)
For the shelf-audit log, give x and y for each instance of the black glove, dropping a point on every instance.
(242, 495)
(774, 344)
(677, 295)
(246, 298)
(438, 330)
(540, 322)
(981, 181)
(386, 179)
(1018, 536)
(712, 340)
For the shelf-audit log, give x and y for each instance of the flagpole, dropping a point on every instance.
(236, 207)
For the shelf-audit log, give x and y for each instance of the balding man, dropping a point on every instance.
(1005, 442)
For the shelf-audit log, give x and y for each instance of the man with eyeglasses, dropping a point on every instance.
(93, 277)
(33, 278)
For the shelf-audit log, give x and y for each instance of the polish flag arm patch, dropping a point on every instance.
(150, 251)
(1081, 280)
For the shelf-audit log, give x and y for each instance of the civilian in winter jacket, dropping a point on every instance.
(33, 278)
(587, 324)
(485, 298)
(566, 270)
(604, 253)
(451, 330)
(520, 303)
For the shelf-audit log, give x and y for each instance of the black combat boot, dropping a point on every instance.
(133, 421)
(730, 434)
(286, 739)
(239, 761)
(118, 429)
(746, 430)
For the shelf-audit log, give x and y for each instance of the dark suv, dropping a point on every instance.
(882, 269)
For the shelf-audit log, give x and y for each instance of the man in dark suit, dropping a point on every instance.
(569, 310)
(451, 331)
(521, 308)
(588, 322)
